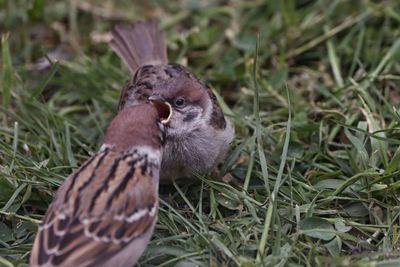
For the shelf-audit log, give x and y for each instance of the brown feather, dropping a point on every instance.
(99, 219)
(134, 126)
(110, 203)
(198, 137)
(139, 44)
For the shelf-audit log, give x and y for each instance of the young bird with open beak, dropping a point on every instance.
(197, 135)
(104, 213)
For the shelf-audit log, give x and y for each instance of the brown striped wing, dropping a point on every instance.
(100, 209)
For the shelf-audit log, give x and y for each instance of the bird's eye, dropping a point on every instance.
(180, 102)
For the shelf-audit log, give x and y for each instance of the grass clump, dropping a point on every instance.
(313, 173)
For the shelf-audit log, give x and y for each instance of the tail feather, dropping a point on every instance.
(139, 44)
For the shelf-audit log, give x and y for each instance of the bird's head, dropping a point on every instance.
(141, 125)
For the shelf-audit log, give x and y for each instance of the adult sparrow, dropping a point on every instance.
(104, 213)
(198, 135)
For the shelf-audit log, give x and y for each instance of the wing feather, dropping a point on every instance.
(100, 218)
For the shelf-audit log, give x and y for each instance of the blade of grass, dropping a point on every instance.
(39, 89)
(334, 61)
(7, 73)
(352, 180)
(14, 148)
(5, 262)
(273, 201)
(68, 147)
(357, 52)
(349, 22)
(257, 131)
(13, 197)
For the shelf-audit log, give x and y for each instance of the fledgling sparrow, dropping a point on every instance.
(198, 135)
(104, 213)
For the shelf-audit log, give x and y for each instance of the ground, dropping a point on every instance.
(312, 178)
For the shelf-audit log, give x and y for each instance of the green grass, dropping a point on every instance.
(315, 164)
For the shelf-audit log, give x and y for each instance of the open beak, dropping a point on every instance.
(164, 109)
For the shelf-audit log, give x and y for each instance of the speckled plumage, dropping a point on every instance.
(104, 213)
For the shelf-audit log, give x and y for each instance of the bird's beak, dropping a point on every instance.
(164, 109)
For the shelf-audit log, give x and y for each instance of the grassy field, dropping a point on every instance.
(313, 177)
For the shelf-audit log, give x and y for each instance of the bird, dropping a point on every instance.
(105, 212)
(198, 135)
